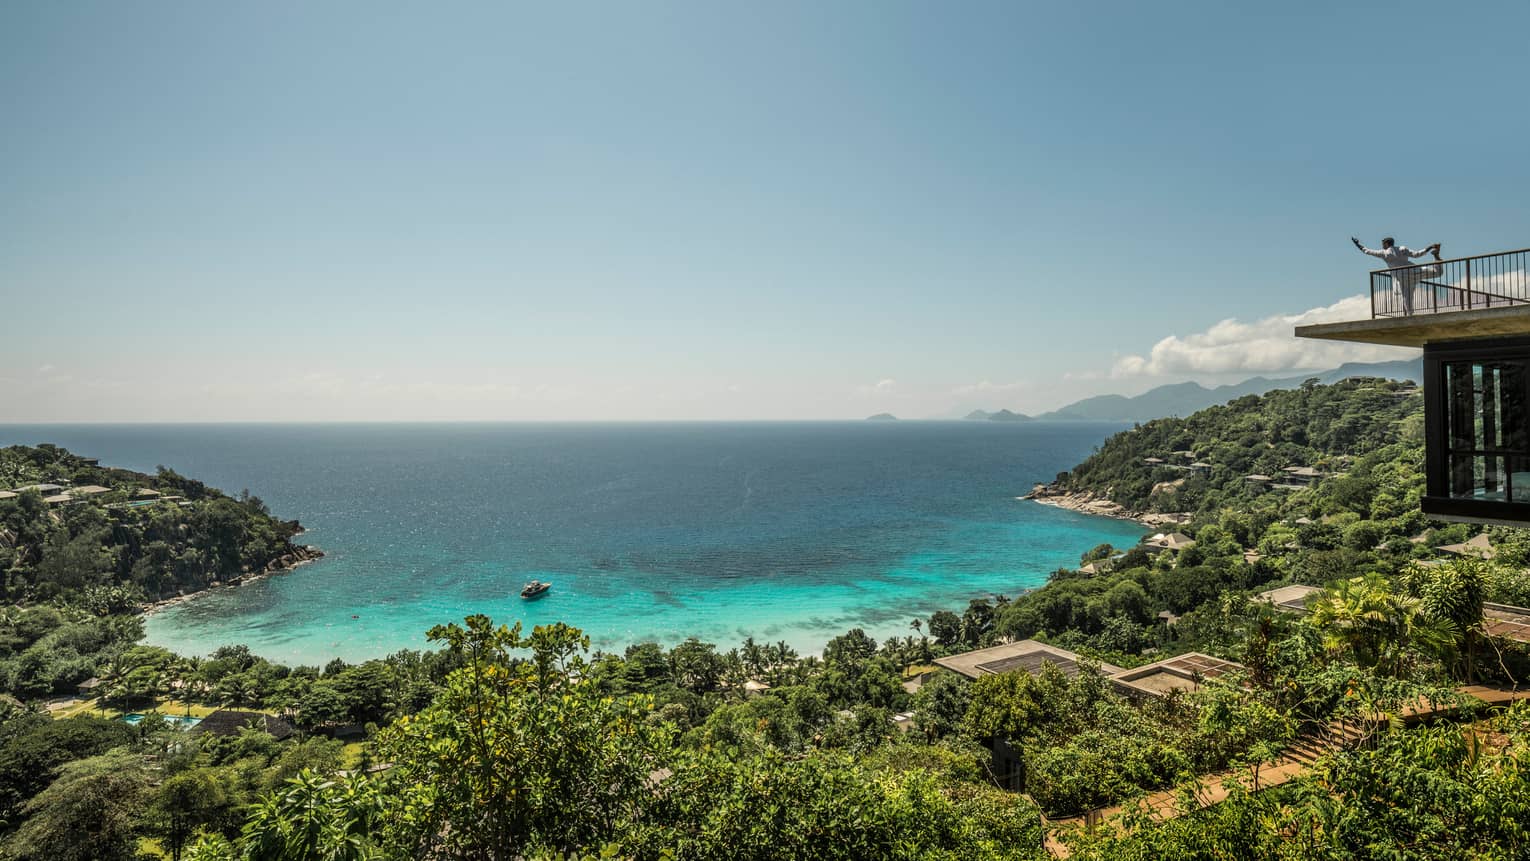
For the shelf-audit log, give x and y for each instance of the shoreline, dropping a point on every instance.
(1088, 502)
(301, 555)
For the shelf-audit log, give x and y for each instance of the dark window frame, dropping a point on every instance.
(1438, 501)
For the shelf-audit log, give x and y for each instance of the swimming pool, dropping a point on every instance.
(180, 722)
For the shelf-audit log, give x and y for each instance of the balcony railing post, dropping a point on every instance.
(1469, 284)
(1373, 295)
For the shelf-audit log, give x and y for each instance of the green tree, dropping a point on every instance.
(941, 704)
(1453, 593)
(1382, 628)
(183, 804)
(946, 627)
(513, 754)
(88, 813)
(312, 817)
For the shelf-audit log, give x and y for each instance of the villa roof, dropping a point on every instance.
(1152, 460)
(1292, 599)
(1171, 541)
(8, 494)
(147, 492)
(1028, 655)
(1479, 546)
(41, 488)
(58, 498)
(1200, 464)
(91, 490)
(227, 722)
(1506, 621)
(1257, 477)
(1179, 673)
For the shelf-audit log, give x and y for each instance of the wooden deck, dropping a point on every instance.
(1296, 760)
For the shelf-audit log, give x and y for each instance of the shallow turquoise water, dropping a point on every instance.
(781, 531)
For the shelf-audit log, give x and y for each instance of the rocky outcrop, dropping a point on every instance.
(1100, 504)
(1083, 501)
(296, 555)
(299, 555)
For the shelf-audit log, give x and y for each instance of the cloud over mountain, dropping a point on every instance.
(1233, 346)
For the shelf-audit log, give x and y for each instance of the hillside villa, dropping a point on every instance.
(1471, 316)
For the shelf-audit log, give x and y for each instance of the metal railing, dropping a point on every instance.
(1461, 284)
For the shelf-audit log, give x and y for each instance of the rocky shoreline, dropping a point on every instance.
(1099, 505)
(299, 556)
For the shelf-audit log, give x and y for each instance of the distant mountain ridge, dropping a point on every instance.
(1182, 399)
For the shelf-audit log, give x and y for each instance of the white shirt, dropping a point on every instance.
(1396, 256)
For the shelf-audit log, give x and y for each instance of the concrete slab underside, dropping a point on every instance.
(1421, 329)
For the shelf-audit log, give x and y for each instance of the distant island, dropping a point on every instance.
(1000, 416)
(882, 417)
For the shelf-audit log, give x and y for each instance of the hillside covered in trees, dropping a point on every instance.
(102, 537)
(1324, 428)
(504, 744)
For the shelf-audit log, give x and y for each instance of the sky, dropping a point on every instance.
(656, 211)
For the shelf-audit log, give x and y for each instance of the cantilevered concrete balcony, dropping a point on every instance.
(1467, 298)
(1471, 316)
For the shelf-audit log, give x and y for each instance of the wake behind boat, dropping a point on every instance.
(535, 589)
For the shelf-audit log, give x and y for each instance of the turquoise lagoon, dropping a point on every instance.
(779, 531)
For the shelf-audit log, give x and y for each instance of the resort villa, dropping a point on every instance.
(1471, 316)
(1184, 673)
(229, 722)
(1181, 673)
(1174, 541)
(1289, 599)
(1026, 655)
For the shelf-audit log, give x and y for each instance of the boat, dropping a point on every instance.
(535, 589)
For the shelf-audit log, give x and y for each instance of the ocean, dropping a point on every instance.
(780, 531)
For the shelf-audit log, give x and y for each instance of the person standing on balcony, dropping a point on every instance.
(1401, 257)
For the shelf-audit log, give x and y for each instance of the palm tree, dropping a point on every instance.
(754, 656)
(1378, 625)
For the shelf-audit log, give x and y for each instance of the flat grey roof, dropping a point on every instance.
(1290, 597)
(1026, 655)
(1179, 673)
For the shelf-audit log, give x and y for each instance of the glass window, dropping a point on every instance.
(1487, 448)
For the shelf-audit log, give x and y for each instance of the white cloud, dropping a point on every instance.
(1233, 346)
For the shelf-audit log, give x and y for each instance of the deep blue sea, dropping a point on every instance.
(782, 531)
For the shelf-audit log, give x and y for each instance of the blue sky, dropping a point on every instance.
(651, 211)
